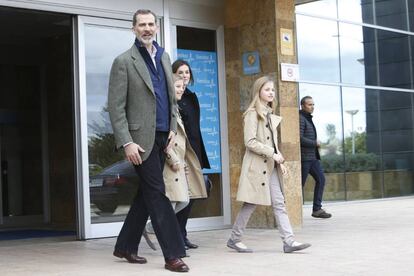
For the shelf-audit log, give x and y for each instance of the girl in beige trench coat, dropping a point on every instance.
(182, 172)
(260, 181)
(183, 176)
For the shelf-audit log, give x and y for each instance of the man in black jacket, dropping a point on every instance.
(309, 147)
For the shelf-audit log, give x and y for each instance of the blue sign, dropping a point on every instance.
(204, 67)
(251, 63)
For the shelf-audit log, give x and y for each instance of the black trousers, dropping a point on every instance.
(314, 168)
(182, 218)
(152, 201)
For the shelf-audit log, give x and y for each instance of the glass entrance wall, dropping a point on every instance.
(106, 181)
(358, 61)
(198, 47)
(112, 180)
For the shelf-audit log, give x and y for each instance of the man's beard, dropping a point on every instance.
(146, 41)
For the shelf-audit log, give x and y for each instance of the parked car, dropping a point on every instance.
(113, 186)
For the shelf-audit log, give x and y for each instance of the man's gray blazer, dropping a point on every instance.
(132, 102)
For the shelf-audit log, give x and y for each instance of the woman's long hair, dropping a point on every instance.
(255, 94)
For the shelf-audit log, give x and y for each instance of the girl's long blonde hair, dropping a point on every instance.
(255, 94)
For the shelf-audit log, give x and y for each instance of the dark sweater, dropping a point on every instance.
(308, 138)
(159, 83)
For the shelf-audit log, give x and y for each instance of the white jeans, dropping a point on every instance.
(279, 211)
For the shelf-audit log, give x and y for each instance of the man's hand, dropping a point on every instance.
(132, 153)
(318, 144)
(171, 139)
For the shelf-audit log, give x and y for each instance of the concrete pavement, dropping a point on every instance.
(374, 237)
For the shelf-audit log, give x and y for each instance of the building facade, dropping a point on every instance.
(360, 53)
(59, 167)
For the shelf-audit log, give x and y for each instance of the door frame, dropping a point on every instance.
(87, 230)
(223, 221)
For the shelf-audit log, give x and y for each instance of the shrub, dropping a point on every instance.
(353, 162)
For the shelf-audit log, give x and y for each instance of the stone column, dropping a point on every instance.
(255, 26)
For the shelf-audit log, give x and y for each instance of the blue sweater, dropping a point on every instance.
(159, 83)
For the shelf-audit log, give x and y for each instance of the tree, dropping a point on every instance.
(333, 144)
(101, 145)
(360, 143)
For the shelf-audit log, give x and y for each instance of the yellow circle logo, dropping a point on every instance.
(251, 59)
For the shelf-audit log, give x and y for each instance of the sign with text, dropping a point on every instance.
(204, 67)
(289, 72)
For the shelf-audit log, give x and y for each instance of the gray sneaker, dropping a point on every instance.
(295, 246)
(238, 246)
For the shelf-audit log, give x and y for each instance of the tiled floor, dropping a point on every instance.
(362, 238)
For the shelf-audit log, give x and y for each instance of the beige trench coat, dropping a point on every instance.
(178, 185)
(258, 163)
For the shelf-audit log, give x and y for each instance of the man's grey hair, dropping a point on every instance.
(134, 19)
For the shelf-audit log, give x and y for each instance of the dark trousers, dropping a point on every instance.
(314, 168)
(182, 218)
(152, 201)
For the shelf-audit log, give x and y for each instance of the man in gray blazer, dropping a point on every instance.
(142, 108)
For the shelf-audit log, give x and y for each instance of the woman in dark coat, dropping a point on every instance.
(190, 114)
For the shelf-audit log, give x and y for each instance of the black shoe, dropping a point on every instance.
(189, 244)
(321, 214)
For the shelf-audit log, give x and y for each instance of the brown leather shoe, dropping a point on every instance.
(176, 265)
(131, 257)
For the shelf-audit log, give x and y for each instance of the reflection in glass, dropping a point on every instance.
(398, 174)
(360, 63)
(362, 160)
(377, 148)
(391, 13)
(397, 126)
(318, 51)
(411, 14)
(353, 62)
(394, 59)
(320, 7)
(112, 182)
(356, 10)
(328, 123)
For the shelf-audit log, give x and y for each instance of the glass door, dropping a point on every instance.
(202, 46)
(109, 182)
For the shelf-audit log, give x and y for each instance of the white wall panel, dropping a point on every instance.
(120, 9)
(198, 11)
